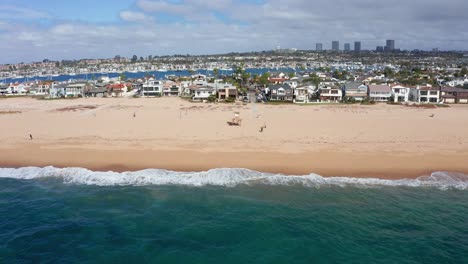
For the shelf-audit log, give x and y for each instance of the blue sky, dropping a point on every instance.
(32, 30)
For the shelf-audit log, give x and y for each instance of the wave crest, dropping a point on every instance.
(224, 177)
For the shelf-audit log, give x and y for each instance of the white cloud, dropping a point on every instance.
(295, 23)
(16, 12)
(131, 16)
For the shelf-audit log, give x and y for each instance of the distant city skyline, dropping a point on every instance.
(32, 30)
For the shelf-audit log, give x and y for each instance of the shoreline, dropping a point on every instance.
(128, 134)
(321, 163)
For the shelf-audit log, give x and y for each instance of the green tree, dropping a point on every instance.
(463, 71)
(122, 77)
(388, 72)
(216, 72)
(264, 79)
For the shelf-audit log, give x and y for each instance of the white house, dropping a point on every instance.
(17, 88)
(428, 94)
(303, 94)
(152, 88)
(202, 93)
(401, 94)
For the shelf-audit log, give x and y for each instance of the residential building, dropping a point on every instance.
(227, 94)
(428, 94)
(281, 92)
(75, 89)
(18, 88)
(171, 88)
(57, 90)
(335, 45)
(355, 90)
(152, 88)
(4, 89)
(357, 46)
(202, 93)
(380, 93)
(453, 95)
(331, 93)
(292, 83)
(303, 94)
(116, 89)
(401, 94)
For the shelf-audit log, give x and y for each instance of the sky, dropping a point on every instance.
(33, 30)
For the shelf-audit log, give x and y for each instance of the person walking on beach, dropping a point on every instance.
(31, 137)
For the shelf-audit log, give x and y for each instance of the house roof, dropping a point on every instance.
(353, 85)
(454, 89)
(380, 88)
(277, 86)
(428, 88)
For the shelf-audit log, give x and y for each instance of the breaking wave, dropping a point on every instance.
(224, 177)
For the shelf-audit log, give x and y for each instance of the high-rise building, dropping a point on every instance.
(357, 46)
(319, 47)
(379, 49)
(335, 45)
(347, 47)
(390, 45)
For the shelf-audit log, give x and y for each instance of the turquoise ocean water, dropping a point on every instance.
(50, 215)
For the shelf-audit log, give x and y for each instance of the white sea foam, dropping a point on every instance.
(224, 177)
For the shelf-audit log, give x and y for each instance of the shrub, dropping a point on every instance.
(211, 98)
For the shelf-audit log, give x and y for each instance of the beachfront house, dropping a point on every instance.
(116, 89)
(453, 95)
(401, 94)
(380, 93)
(203, 93)
(75, 89)
(152, 88)
(331, 93)
(57, 90)
(304, 94)
(281, 92)
(97, 90)
(18, 88)
(40, 88)
(171, 88)
(4, 89)
(355, 90)
(228, 93)
(428, 94)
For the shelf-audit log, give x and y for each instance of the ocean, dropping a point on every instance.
(73, 215)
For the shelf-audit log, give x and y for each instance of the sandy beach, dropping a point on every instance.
(121, 134)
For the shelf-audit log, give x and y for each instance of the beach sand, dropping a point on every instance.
(120, 134)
